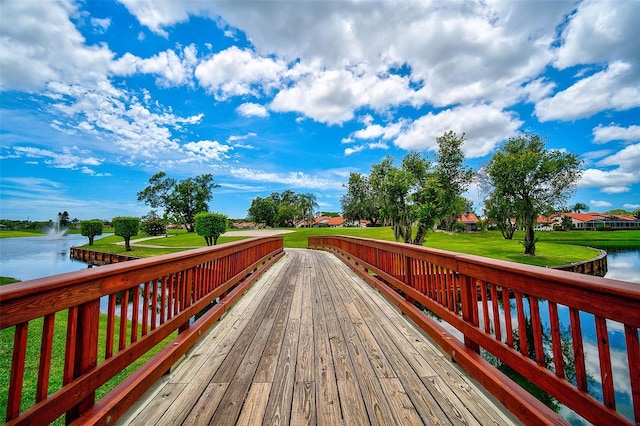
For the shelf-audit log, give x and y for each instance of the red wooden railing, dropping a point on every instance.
(158, 295)
(489, 304)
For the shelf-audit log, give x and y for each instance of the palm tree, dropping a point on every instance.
(580, 207)
(306, 205)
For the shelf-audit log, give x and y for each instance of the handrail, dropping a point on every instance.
(158, 295)
(499, 306)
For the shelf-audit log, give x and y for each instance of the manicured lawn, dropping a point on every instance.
(14, 234)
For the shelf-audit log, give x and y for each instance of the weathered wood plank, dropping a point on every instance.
(254, 405)
(303, 410)
(327, 398)
(205, 406)
(403, 409)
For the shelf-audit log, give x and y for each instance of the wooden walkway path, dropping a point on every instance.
(311, 343)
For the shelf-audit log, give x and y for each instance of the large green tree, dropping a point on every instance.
(534, 178)
(359, 202)
(211, 226)
(263, 210)
(181, 200)
(453, 177)
(126, 227)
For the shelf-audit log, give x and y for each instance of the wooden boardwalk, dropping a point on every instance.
(311, 343)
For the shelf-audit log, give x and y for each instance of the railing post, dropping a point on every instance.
(408, 275)
(86, 351)
(469, 299)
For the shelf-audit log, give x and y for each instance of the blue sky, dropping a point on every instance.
(97, 96)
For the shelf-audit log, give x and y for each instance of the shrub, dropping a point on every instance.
(153, 227)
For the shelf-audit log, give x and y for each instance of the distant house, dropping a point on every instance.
(244, 225)
(470, 221)
(594, 221)
(335, 222)
(544, 223)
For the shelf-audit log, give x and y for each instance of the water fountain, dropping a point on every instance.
(56, 231)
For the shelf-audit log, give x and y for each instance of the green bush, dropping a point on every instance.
(153, 227)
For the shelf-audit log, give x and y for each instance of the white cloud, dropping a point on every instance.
(331, 96)
(172, 69)
(615, 88)
(596, 203)
(69, 158)
(353, 150)
(133, 125)
(631, 206)
(373, 131)
(236, 72)
(157, 15)
(485, 127)
(603, 134)
(41, 44)
(628, 159)
(599, 33)
(294, 179)
(249, 109)
(210, 150)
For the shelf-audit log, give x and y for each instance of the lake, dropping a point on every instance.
(27, 258)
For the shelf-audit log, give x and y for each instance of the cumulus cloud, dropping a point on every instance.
(172, 69)
(599, 33)
(250, 109)
(604, 134)
(331, 96)
(51, 50)
(485, 127)
(596, 203)
(236, 72)
(602, 91)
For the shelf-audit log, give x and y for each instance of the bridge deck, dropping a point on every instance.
(311, 343)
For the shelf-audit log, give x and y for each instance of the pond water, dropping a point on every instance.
(27, 258)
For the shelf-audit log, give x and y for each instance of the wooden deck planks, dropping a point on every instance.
(311, 343)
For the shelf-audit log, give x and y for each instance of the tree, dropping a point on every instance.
(360, 202)
(306, 206)
(263, 210)
(63, 219)
(180, 200)
(502, 213)
(211, 226)
(579, 208)
(126, 227)
(534, 178)
(409, 196)
(91, 228)
(453, 177)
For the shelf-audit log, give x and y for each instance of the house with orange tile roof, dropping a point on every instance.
(470, 221)
(594, 221)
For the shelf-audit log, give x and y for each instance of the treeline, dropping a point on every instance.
(283, 209)
(521, 181)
